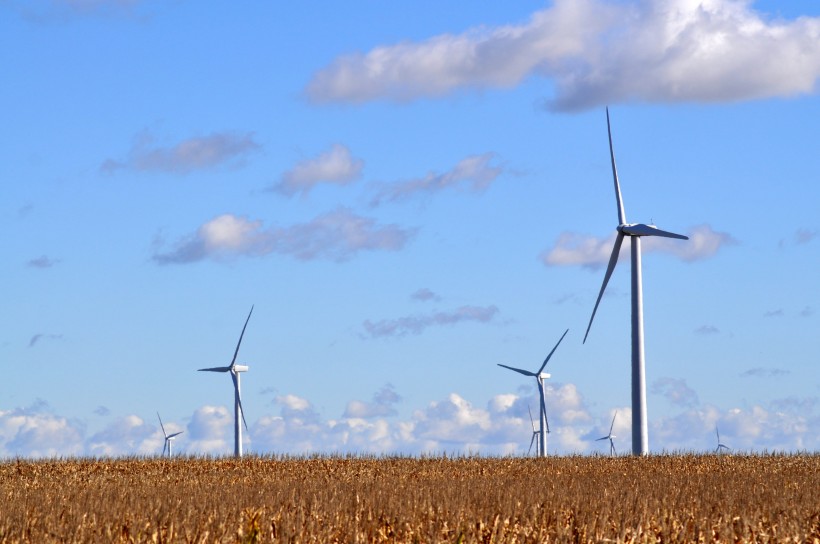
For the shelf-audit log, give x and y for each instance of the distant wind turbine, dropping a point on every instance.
(535, 434)
(610, 436)
(235, 369)
(720, 445)
(169, 438)
(540, 376)
(640, 430)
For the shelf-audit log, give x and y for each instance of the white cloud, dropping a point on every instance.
(210, 431)
(417, 324)
(572, 249)
(334, 166)
(597, 52)
(127, 435)
(337, 236)
(382, 405)
(676, 391)
(475, 172)
(36, 432)
(195, 153)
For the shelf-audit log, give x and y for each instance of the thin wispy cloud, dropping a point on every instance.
(419, 323)
(336, 236)
(804, 236)
(676, 391)
(764, 372)
(596, 52)
(774, 313)
(39, 337)
(808, 311)
(573, 249)
(474, 173)
(197, 153)
(336, 166)
(707, 330)
(43, 261)
(424, 295)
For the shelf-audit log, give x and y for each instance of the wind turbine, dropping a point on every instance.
(235, 369)
(640, 430)
(169, 438)
(535, 434)
(540, 376)
(610, 436)
(720, 446)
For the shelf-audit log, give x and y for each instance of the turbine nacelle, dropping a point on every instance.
(544, 376)
(240, 368)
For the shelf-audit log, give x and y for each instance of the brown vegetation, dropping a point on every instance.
(770, 498)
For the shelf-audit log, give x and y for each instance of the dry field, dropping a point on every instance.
(669, 498)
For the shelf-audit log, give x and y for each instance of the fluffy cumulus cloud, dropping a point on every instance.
(197, 153)
(417, 324)
(474, 173)
(337, 236)
(334, 166)
(572, 249)
(382, 405)
(597, 52)
(127, 435)
(35, 431)
(676, 391)
(210, 431)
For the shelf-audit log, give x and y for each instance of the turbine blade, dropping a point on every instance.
(239, 398)
(235, 353)
(547, 420)
(602, 438)
(175, 434)
(640, 229)
(613, 260)
(553, 351)
(166, 434)
(718, 434)
(520, 371)
(532, 421)
(531, 443)
(164, 447)
(613, 423)
(215, 369)
(621, 215)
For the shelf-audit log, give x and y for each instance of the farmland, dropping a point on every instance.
(669, 498)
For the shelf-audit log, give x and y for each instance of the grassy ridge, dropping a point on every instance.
(669, 498)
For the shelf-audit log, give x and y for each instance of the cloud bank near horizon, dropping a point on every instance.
(453, 425)
(596, 52)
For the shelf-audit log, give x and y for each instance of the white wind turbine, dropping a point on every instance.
(640, 431)
(535, 434)
(235, 369)
(169, 438)
(540, 376)
(610, 436)
(720, 445)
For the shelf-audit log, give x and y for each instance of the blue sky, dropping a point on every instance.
(409, 193)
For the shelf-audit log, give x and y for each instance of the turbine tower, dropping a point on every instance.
(610, 437)
(640, 431)
(540, 376)
(235, 370)
(535, 434)
(720, 445)
(169, 438)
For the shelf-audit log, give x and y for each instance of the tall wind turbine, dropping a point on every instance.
(640, 431)
(720, 445)
(535, 434)
(610, 437)
(540, 376)
(235, 369)
(169, 438)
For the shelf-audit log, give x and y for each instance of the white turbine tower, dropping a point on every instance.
(169, 438)
(640, 431)
(235, 369)
(540, 376)
(610, 437)
(535, 434)
(720, 445)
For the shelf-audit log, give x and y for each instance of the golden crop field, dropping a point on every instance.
(666, 498)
